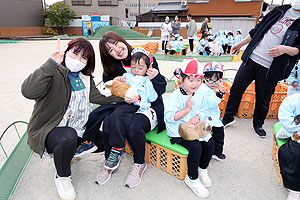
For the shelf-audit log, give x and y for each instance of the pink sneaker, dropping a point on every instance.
(135, 175)
(103, 176)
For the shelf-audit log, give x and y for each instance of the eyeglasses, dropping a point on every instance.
(210, 81)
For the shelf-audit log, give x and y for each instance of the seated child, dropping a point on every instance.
(208, 101)
(294, 81)
(180, 106)
(289, 153)
(201, 46)
(141, 61)
(174, 45)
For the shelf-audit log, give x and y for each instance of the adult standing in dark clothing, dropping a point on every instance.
(176, 26)
(204, 27)
(270, 56)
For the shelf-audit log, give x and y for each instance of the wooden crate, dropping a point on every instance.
(164, 159)
(275, 156)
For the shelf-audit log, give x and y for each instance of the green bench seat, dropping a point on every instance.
(280, 142)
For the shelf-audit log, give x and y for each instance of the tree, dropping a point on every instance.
(59, 15)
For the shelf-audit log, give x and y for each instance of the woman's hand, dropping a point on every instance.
(236, 47)
(133, 100)
(295, 84)
(282, 49)
(195, 119)
(152, 73)
(277, 51)
(120, 78)
(58, 54)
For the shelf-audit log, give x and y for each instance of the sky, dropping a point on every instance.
(49, 2)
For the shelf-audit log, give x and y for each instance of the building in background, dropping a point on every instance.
(21, 17)
(222, 14)
(145, 6)
(114, 8)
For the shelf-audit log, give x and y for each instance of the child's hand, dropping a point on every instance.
(222, 88)
(189, 103)
(120, 78)
(152, 73)
(195, 119)
(133, 100)
(295, 84)
(58, 54)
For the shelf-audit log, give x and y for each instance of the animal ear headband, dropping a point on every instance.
(142, 50)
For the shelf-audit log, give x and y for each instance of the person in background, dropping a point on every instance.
(176, 26)
(166, 30)
(204, 27)
(191, 31)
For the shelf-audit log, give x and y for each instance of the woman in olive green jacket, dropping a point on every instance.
(63, 89)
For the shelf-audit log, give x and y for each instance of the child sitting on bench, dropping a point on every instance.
(289, 153)
(180, 106)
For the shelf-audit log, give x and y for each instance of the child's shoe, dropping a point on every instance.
(113, 160)
(135, 175)
(204, 178)
(196, 187)
(64, 187)
(219, 157)
(103, 176)
(84, 148)
(293, 195)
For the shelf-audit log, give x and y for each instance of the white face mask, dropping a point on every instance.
(295, 4)
(74, 65)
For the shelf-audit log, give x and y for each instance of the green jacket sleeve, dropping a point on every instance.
(37, 84)
(97, 98)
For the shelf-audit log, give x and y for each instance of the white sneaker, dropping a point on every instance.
(293, 195)
(197, 187)
(204, 178)
(65, 188)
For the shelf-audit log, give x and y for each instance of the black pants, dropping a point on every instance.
(164, 45)
(218, 136)
(135, 135)
(191, 42)
(200, 154)
(228, 49)
(171, 51)
(225, 46)
(264, 89)
(62, 142)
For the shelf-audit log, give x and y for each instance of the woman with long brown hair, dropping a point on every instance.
(119, 122)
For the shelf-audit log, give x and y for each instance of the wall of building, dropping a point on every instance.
(225, 8)
(21, 17)
(116, 12)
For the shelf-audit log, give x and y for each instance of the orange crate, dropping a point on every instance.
(276, 99)
(246, 108)
(223, 103)
(275, 157)
(164, 159)
(152, 47)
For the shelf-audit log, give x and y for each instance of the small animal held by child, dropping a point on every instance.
(296, 136)
(190, 131)
(118, 88)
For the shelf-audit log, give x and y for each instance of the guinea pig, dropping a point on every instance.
(190, 131)
(119, 89)
(296, 136)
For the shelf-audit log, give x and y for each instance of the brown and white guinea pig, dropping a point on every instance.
(296, 136)
(119, 89)
(190, 131)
